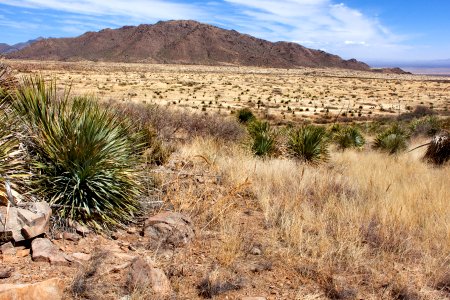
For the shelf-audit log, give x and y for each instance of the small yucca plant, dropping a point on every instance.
(349, 137)
(85, 157)
(309, 143)
(245, 116)
(263, 138)
(393, 140)
(438, 150)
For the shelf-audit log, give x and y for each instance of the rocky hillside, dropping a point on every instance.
(182, 42)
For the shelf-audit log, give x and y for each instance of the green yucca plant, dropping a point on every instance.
(13, 167)
(309, 143)
(349, 137)
(85, 157)
(393, 140)
(245, 116)
(263, 138)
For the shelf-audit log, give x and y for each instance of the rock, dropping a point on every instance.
(5, 272)
(80, 229)
(81, 256)
(24, 222)
(142, 276)
(69, 236)
(8, 249)
(169, 227)
(44, 250)
(49, 289)
(131, 230)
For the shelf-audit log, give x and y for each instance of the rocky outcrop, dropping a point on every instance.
(169, 228)
(24, 222)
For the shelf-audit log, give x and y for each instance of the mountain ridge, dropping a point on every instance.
(182, 42)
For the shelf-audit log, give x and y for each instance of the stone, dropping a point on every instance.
(44, 250)
(81, 256)
(69, 236)
(80, 229)
(143, 275)
(24, 222)
(169, 228)
(48, 289)
(5, 272)
(8, 249)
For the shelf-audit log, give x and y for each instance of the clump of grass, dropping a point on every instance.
(245, 116)
(392, 140)
(309, 143)
(7, 81)
(349, 137)
(429, 125)
(85, 156)
(263, 138)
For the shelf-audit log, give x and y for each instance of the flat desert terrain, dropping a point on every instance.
(298, 95)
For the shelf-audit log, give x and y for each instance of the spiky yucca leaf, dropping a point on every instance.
(309, 143)
(263, 138)
(85, 156)
(392, 140)
(349, 137)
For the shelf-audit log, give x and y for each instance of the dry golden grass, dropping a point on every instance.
(380, 222)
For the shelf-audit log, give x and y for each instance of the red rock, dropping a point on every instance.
(50, 289)
(142, 275)
(44, 250)
(169, 227)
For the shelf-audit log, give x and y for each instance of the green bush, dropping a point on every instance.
(245, 116)
(429, 125)
(393, 140)
(263, 138)
(85, 157)
(349, 137)
(309, 143)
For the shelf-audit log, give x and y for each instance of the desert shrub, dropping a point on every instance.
(349, 137)
(85, 157)
(392, 140)
(429, 125)
(7, 81)
(245, 116)
(263, 138)
(171, 123)
(419, 112)
(309, 143)
(438, 151)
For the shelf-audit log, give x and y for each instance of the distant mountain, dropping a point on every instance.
(182, 42)
(5, 48)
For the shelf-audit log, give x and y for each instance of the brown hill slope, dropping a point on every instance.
(182, 42)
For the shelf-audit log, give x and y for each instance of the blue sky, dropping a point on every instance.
(382, 30)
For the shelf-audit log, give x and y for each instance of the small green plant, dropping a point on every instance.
(429, 125)
(263, 138)
(85, 157)
(349, 137)
(309, 143)
(393, 140)
(245, 116)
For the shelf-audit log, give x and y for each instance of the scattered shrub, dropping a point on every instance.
(429, 125)
(349, 137)
(84, 155)
(309, 143)
(245, 116)
(392, 140)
